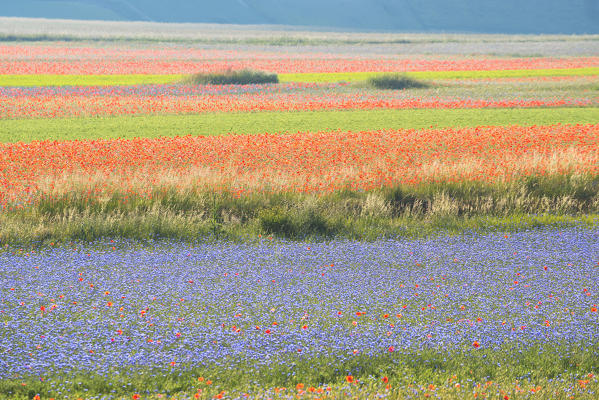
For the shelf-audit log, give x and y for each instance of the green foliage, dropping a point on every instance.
(555, 186)
(295, 224)
(230, 77)
(395, 82)
(127, 127)
(276, 221)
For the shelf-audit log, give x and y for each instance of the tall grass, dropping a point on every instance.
(397, 211)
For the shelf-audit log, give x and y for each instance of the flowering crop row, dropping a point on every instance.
(80, 106)
(161, 90)
(324, 161)
(291, 65)
(76, 53)
(58, 52)
(177, 306)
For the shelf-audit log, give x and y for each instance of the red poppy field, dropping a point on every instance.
(328, 236)
(302, 162)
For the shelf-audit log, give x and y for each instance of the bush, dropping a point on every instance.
(395, 81)
(276, 221)
(293, 224)
(243, 77)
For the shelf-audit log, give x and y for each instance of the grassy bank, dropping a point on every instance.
(27, 130)
(551, 370)
(401, 211)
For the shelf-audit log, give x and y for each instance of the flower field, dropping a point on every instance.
(319, 238)
(165, 99)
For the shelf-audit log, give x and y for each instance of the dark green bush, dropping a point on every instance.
(312, 223)
(230, 77)
(276, 221)
(395, 82)
(293, 224)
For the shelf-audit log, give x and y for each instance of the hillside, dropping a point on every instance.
(491, 16)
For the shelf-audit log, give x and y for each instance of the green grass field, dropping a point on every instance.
(144, 79)
(27, 130)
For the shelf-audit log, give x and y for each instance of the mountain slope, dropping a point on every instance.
(508, 16)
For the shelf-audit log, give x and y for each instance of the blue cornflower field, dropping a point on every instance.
(117, 308)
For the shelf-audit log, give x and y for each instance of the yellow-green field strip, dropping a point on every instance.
(147, 79)
(87, 80)
(432, 75)
(27, 130)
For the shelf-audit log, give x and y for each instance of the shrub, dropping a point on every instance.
(395, 82)
(311, 223)
(293, 224)
(230, 77)
(276, 221)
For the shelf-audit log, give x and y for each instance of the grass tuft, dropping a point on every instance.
(230, 77)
